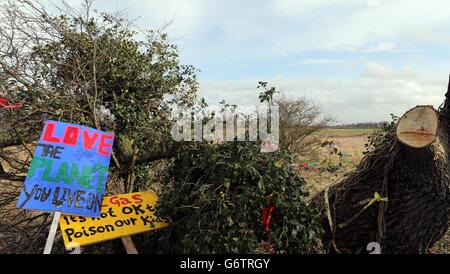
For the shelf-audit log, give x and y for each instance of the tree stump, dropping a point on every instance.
(399, 195)
(418, 126)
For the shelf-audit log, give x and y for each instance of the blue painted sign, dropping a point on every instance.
(69, 170)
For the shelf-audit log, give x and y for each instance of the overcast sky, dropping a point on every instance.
(360, 60)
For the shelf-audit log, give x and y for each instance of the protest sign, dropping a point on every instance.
(68, 171)
(122, 215)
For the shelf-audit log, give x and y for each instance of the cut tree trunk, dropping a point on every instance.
(418, 127)
(399, 194)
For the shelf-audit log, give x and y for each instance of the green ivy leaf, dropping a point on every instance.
(230, 221)
(279, 164)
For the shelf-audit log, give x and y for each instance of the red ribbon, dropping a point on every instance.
(4, 100)
(303, 165)
(267, 216)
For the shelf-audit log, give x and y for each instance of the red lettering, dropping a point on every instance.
(114, 201)
(104, 145)
(71, 135)
(89, 141)
(125, 201)
(137, 198)
(48, 133)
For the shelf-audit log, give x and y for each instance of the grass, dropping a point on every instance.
(351, 146)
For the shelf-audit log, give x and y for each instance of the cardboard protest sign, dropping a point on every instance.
(68, 171)
(122, 215)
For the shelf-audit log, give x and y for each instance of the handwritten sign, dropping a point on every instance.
(122, 215)
(68, 171)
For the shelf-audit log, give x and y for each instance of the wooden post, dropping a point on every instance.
(51, 234)
(129, 245)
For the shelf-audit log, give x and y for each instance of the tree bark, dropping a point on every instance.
(412, 211)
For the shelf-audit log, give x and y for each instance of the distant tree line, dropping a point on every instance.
(361, 125)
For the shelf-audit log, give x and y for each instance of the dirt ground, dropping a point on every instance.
(352, 148)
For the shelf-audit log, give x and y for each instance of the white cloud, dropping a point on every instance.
(236, 39)
(186, 17)
(267, 29)
(372, 96)
(380, 47)
(351, 25)
(307, 7)
(319, 61)
(373, 3)
(380, 71)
